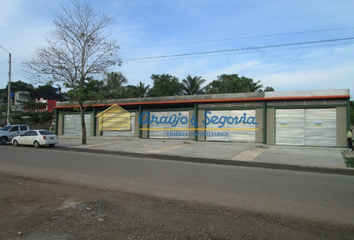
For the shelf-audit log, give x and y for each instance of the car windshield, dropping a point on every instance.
(6, 128)
(46, 133)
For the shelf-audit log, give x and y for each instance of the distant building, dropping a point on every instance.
(18, 97)
(50, 98)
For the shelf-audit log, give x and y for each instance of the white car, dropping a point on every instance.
(36, 138)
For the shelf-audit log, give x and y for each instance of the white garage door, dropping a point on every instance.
(231, 132)
(290, 126)
(167, 130)
(130, 133)
(72, 124)
(306, 127)
(321, 127)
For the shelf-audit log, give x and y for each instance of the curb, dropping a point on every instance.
(338, 171)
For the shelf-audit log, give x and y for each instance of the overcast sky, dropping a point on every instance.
(219, 29)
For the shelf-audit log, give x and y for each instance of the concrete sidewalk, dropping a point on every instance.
(246, 154)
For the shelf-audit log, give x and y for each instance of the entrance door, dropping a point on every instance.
(290, 127)
(72, 124)
(231, 131)
(321, 127)
(167, 130)
(306, 127)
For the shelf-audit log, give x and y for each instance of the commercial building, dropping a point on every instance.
(303, 118)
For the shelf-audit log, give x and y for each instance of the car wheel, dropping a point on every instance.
(16, 144)
(3, 141)
(51, 145)
(36, 144)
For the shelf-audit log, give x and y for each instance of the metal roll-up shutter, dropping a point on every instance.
(72, 124)
(232, 132)
(212, 130)
(306, 127)
(290, 127)
(158, 130)
(321, 127)
(243, 132)
(130, 133)
(166, 130)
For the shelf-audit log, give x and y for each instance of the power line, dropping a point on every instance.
(230, 53)
(227, 51)
(234, 50)
(239, 38)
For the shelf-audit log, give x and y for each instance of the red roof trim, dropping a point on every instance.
(210, 101)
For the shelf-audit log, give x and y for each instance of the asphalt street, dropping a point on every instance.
(304, 195)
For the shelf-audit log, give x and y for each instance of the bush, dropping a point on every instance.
(45, 116)
(31, 117)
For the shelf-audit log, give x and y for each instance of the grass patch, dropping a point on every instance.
(349, 158)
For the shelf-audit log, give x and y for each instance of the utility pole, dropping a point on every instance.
(8, 89)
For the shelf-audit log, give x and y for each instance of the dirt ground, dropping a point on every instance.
(32, 209)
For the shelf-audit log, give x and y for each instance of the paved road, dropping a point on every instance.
(323, 197)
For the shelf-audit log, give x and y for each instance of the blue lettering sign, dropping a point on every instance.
(175, 119)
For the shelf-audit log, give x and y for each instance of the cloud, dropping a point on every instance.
(232, 69)
(25, 24)
(335, 77)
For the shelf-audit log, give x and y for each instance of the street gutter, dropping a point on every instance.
(338, 171)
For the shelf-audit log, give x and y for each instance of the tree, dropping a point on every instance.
(129, 91)
(193, 85)
(21, 86)
(92, 90)
(114, 85)
(232, 84)
(78, 48)
(32, 105)
(165, 85)
(215, 87)
(138, 91)
(142, 90)
(267, 89)
(48, 87)
(15, 87)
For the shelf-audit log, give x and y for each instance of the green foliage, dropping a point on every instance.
(266, 89)
(138, 91)
(232, 84)
(129, 91)
(17, 115)
(34, 116)
(193, 85)
(3, 95)
(91, 90)
(142, 90)
(31, 114)
(348, 157)
(15, 87)
(21, 86)
(31, 117)
(114, 85)
(32, 105)
(165, 85)
(269, 89)
(47, 87)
